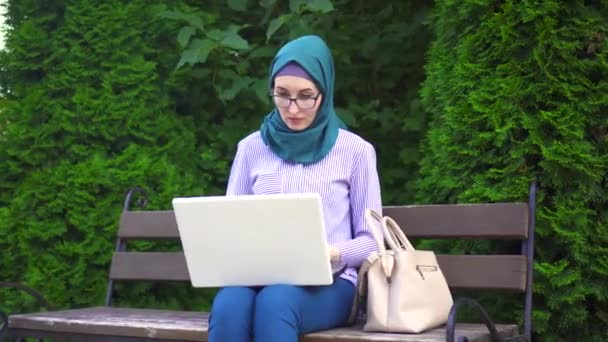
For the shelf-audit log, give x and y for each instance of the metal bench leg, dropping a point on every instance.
(451, 327)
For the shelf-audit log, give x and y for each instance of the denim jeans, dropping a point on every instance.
(278, 312)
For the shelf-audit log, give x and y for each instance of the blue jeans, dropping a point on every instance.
(278, 312)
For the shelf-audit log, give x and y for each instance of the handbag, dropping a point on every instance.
(405, 288)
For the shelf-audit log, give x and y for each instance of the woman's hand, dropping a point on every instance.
(334, 254)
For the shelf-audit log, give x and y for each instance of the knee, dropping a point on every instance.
(277, 300)
(232, 304)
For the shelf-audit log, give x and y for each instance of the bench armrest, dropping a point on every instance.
(41, 301)
(451, 326)
(142, 200)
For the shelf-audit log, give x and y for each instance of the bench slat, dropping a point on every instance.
(156, 324)
(500, 272)
(492, 272)
(492, 220)
(474, 332)
(148, 225)
(169, 266)
(193, 326)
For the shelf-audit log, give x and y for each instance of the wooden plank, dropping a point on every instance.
(170, 266)
(495, 272)
(493, 220)
(154, 324)
(41, 335)
(193, 326)
(148, 225)
(475, 332)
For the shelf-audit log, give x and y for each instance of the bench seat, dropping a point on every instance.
(122, 323)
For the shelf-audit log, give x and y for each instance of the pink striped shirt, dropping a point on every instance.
(346, 179)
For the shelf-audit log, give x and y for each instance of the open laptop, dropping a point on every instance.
(253, 240)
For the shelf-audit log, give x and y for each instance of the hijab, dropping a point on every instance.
(316, 141)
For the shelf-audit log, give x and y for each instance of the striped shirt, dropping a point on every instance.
(346, 179)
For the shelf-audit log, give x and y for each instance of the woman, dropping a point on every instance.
(302, 147)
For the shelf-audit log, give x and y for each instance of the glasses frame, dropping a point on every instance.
(294, 100)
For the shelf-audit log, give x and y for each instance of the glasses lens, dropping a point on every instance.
(306, 103)
(281, 101)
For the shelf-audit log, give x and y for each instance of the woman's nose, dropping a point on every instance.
(293, 108)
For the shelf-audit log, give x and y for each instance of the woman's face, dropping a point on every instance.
(299, 114)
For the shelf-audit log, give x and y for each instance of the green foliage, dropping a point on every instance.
(515, 91)
(102, 96)
(87, 117)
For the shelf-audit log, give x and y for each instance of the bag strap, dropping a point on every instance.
(361, 288)
(374, 221)
(395, 236)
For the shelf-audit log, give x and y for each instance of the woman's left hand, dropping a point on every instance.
(334, 254)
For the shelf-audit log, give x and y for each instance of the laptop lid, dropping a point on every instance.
(254, 240)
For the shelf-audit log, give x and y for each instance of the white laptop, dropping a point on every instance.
(253, 240)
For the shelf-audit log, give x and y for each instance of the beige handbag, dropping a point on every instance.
(406, 290)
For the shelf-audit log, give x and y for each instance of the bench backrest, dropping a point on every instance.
(483, 221)
(492, 221)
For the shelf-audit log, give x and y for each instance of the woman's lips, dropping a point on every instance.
(295, 120)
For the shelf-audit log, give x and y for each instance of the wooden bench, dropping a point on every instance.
(501, 221)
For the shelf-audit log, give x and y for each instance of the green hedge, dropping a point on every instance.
(103, 96)
(520, 90)
(87, 117)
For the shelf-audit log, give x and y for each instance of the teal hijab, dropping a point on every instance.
(315, 142)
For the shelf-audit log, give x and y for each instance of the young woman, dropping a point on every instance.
(302, 146)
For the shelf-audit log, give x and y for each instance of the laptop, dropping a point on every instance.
(254, 240)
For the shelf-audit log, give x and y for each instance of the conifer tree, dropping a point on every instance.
(519, 90)
(86, 119)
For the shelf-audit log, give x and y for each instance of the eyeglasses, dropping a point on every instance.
(304, 103)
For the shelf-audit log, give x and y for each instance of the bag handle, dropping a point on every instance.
(374, 221)
(390, 235)
(361, 289)
(388, 263)
(395, 236)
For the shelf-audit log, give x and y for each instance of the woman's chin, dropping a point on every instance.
(296, 128)
(296, 125)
